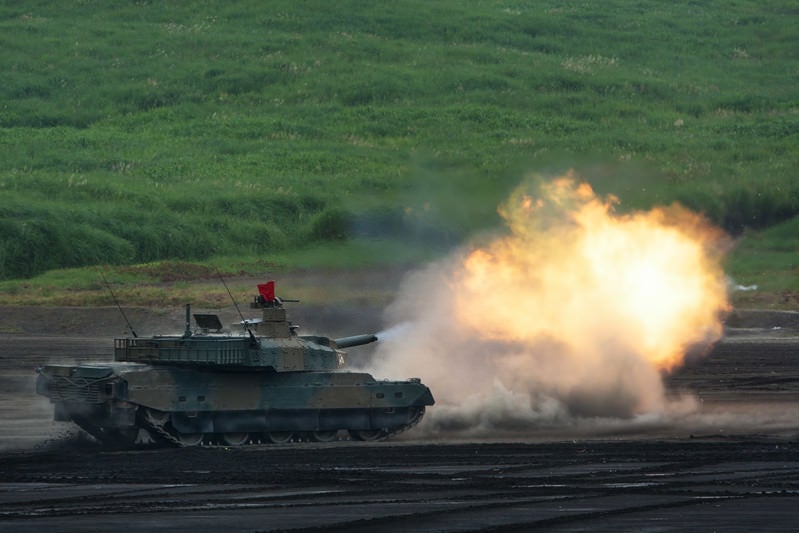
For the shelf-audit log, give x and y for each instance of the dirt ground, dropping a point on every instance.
(732, 466)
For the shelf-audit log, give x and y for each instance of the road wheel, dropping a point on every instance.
(325, 436)
(368, 435)
(236, 439)
(279, 437)
(190, 439)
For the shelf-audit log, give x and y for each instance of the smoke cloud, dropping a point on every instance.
(573, 315)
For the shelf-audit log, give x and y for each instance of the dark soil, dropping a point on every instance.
(733, 467)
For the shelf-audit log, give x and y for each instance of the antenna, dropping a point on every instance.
(114, 296)
(243, 320)
(231, 296)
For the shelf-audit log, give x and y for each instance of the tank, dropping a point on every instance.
(209, 387)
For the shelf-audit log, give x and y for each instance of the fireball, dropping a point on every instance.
(572, 269)
(575, 311)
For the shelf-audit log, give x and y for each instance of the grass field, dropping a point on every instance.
(225, 133)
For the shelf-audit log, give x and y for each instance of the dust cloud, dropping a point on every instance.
(571, 317)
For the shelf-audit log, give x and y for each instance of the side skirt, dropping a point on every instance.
(291, 420)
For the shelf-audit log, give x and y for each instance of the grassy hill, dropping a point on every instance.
(133, 132)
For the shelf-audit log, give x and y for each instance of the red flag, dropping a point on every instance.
(267, 291)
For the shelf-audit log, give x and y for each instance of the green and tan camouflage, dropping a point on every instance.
(208, 387)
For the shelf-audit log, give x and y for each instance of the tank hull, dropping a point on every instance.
(133, 404)
(212, 386)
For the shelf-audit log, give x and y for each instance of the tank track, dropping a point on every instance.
(416, 419)
(159, 429)
(122, 439)
(153, 430)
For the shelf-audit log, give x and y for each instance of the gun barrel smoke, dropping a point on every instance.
(574, 314)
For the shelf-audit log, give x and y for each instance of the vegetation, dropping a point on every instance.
(136, 132)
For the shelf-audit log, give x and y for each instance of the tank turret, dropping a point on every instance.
(266, 384)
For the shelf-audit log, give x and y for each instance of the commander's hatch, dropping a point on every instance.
(208, 323)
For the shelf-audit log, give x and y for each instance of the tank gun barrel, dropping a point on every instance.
(355, 340)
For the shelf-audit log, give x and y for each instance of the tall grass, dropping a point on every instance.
(138, 131)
